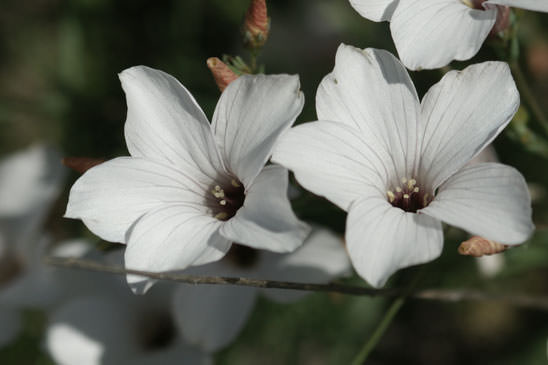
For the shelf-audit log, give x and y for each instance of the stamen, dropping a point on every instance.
(225, 200)
(411, 183)
(221, 216)
(409, 196)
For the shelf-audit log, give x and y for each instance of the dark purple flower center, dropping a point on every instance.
(225, 200)
(409, 196)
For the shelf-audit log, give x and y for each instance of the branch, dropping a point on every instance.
(445, 295)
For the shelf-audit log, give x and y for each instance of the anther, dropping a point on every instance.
(217, 188)
(416, 190)
(411, 183)
(468, 3)
(391, 196)
(235, 183)
(221, 216)
(403, 180)
(222, 202)
(398, 190)
(406, 196)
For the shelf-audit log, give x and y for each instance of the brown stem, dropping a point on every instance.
(446, 295)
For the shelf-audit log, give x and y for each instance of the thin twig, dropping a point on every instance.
(446, 295)
(379, 332)
(387, 319)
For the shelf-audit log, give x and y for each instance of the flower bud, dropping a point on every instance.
(222, 74)
(81, 164)
(478, 246)
(256, 25)
(503, 14)
(503, 19)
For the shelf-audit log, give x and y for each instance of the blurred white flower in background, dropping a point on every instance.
(30, 181)
(399, 166)
(211, 316)
(107, 325)
(429, 34)
(191, 188)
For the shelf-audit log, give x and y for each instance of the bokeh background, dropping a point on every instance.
(58, 84)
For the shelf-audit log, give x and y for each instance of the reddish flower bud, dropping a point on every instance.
(503, 14)
(222, 74)
(503, 19)
(257, 24)
(478, 246)
(81, 164)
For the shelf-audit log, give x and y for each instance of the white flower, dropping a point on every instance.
(398, 165)
(431, 33)
(211, 316)
(108, 326)
(191, 188)
(489, 265)
(30, 181)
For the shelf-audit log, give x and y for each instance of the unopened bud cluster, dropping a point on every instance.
(256, 25)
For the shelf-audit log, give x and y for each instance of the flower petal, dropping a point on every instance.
(165, 123)
(102, 336)
(382, 239)
(349, 162)
(490, 266)
(376, 10)
(430, 34)
(535, 5)
(266, 220)
(110, 197)
(252, 112)
(488, 154)
(30, 180)
(211, 316)
(171, 238)
(489, 200)
(371, 91)
(462, 114)
(320, 259)
(11, 325)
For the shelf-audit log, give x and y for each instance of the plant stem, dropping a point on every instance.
(529, 96)
(446, 295)
(362, 356)
(370, 345)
